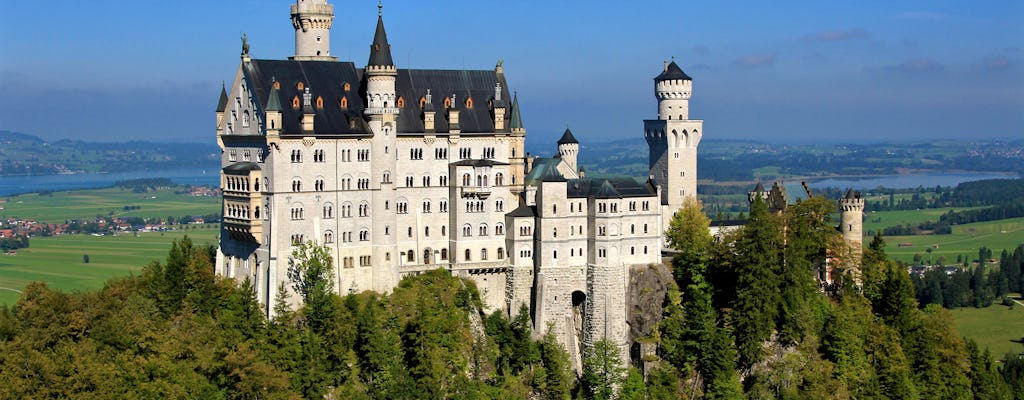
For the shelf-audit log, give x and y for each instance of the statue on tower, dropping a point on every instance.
(245, 44)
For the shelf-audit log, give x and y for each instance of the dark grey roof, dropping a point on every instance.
(672, 72)
(223, 103)
(478, 163)
(380, 50)
(241, 168)
(759, 188)
(568, 138)
(517, 118)
(610, 188)
(523, 211)
(478, 85)
(852, 194)
(327, 79)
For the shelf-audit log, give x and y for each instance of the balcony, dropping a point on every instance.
(245, 230)
(477, 192)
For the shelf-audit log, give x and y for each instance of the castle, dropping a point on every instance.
(400, 171)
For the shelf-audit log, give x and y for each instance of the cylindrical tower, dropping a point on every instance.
(673, 88)
(312, 20)
(852, 218)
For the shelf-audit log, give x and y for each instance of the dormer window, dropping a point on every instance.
(343, 103)
(277, 85)
(319, 102)
(348, 87)
(447, 102)
(295, 102)
(300, 86)
(423, 101)
(469, 102)
(401, 102)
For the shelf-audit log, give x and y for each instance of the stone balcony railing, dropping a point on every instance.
(380, 110)
(471, 267)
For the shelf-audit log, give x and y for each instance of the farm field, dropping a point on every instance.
(965, 240)
(58, 207)
(876, 221)
(995, 327)
(58, 260)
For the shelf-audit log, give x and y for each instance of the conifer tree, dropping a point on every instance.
(756, 305)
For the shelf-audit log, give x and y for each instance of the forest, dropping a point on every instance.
(746, 319)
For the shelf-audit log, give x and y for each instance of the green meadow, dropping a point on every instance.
(57, 207)
(997, 327)
(58, 260)
(876, 221)
(965, 240)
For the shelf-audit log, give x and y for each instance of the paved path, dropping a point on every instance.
(19, 292)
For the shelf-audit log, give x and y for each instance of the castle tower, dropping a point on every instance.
(673, 139)
(382, 113)
(569, 150)
(312, 20)
(518, 140)
(851, 221)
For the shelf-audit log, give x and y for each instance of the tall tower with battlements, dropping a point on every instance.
(673, 139)
(312, 20)
(851, 221)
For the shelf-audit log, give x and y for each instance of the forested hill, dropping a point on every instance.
(22, 154)
(743, 160)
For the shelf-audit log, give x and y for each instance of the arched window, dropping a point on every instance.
(343, 102)
(300, 86)
(348, 87)
(444, 254)
(319, 102)
(401, 102)
(467, 180)
(410, 256)
(469, 102)
(467, 255)
(501, 253)
(483, 254)
(295, 102)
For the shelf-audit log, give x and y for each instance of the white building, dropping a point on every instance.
(398, 171)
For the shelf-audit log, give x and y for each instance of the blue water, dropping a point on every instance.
(23, 184)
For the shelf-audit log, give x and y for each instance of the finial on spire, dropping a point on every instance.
(428, 95)
(380, 8)
(665, 68)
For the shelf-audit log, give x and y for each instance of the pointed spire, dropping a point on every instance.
(517, 119)
(568, 138)
(274, 99)
(380, 50)
(223, 103)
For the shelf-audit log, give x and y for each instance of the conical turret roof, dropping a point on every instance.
(517, 119)
(380, 50)
(274, 99)
(223, 103)
(672, 72)
(568, 138)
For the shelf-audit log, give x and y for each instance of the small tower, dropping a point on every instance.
(312, 20)
(758, 192)
(517, 143)
(673, 139)
(380, 74)
(852, 221)
(569, 149)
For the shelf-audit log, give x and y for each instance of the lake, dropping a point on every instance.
(211, 177)
(23, 184)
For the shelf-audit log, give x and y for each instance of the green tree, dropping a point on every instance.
(602, 370)
(310, 271)
(558, 377)
(986, 382)
(757, 300)
(809, 234)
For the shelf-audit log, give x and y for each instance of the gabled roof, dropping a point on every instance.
(223, 103)
(610, 188)
(568, 138)
(672, 72)
(380, 50)
(543, 170)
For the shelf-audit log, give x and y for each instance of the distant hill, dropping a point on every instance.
(24, 154)
(747, 160)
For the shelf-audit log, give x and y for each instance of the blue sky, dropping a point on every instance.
(783, 71)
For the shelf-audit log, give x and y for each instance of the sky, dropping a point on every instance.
(781, 71)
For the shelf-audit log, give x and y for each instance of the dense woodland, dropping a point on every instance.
(978, 287)
(746, 320)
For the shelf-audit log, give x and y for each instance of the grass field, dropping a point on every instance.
(58, 260)
(995, 327)
(876, 221)
(61, 206)
(965, 240)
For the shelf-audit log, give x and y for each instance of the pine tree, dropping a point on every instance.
(756, 305)
(602, 370)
